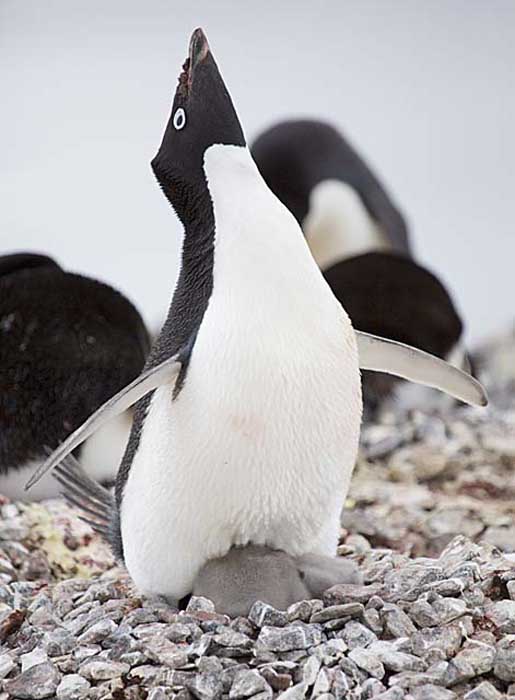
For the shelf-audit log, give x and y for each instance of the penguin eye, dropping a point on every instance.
(179, 119)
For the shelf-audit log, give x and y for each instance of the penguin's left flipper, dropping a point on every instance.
(382, 355)
(149, 380)
(81, 491)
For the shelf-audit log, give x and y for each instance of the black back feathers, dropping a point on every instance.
(67, 344)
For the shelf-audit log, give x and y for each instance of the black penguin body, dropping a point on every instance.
(392, 296)
(295, 156)
(67, 343)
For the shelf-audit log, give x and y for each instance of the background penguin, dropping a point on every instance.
(235, 581)
(67, 343)
(340, 204)
(392, 296)
(249, 407)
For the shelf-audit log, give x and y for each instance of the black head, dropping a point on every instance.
(202, 115)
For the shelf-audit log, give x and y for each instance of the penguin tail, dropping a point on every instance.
(81, 491)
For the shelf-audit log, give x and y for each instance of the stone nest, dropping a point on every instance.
(430, 520)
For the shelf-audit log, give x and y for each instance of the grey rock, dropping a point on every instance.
(396, 621)
(484, 691)
(164, 652)
(37, 682)
(100, 670)
(206, 686)
(262, 614)
(432, 692)
(504, 661)
(351, 593)
(303, 610)
(447, 639)
(200, 604)
(310, 670)
(371, 688)
(395, 660)
(355, 635)
(322, 683)
(246, 684)
(334, 612)
(33, 658)
(7, 664)
(298, 636)
(391, 694)
(98, 632)
(368, 661)
(502, 614)
(73, 687)
(296, 692)
(158, 693)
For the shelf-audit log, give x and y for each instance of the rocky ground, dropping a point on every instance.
(431, 521)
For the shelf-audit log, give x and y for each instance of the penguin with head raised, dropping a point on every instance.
(67, 343)
(340, 204)
(390, 295)
(249, 409)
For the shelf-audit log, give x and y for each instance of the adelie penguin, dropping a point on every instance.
(342, 207)
(249, 408)
(393, 296)
(67, 343)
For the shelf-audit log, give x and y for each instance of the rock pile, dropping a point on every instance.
(430, 521)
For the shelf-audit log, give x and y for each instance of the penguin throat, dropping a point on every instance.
(195, 282)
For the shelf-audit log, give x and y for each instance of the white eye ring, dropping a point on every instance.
(179, 119)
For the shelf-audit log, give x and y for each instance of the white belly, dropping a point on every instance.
(261, 442)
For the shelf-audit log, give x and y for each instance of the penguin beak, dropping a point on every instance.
(198, 52)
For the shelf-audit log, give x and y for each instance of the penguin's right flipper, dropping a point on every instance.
(83, 492)
(149, 380)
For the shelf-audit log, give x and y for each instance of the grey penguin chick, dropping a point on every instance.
(248, 410)
(67, 342)
(247, 574)
(235, 581)
(337, 199)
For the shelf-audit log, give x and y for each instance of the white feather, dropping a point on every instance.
(261, 442)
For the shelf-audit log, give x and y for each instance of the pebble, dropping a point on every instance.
(73, 687)
(7, 664)
(336, 612)
(298, 636)
(262, 615)
(504, 661)
(247, 684)
(37, 682)
(368, 661)
(97, 670)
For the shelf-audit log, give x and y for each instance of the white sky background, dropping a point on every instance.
(424, 89)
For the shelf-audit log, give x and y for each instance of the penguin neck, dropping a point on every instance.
(338, 225)
(195, 281)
